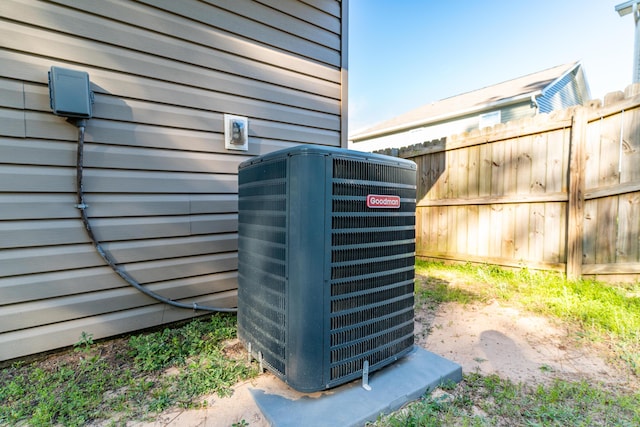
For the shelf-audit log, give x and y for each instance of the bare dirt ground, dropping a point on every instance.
(485, 338)
(502, 340)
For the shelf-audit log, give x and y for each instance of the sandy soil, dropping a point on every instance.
(484, 338)
(495, 339)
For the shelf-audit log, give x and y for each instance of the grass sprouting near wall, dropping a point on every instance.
(141, 376)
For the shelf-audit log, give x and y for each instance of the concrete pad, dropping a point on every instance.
(351, 405)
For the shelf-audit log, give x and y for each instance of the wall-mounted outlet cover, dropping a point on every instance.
(69, 93)
(236, 132)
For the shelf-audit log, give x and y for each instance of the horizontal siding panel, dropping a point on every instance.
(260, 33)
(159, 21)
(333, 8)
(101, 205)
(260, 131)
(136, 205)
(30, 341)
(64, 265)
(40, 286)
(286, 16)
(103, 156)
(12, 123)
(205, 224)
(41, 179)
(18, 234)
(116, 229)
(101, 181)
(37, 152)
(11, 94)
(34, 69)
(24, 261)
(48, 126)
(75, 50)
(162, 270)
(158, 249)
(217, 203)
(329, 19)
(52, 179)
(57, 206)
(81, 24)
(37, 313)
(36, 206)
(77, 256)
(109, 230)
(21, 234)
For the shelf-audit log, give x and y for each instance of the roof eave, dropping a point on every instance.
(429, 120)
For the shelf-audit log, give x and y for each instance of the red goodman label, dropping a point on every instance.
(378, 201)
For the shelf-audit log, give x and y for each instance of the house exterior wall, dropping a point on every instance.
(441, 129)
(160, 185)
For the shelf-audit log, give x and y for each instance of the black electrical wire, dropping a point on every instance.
(82, 206)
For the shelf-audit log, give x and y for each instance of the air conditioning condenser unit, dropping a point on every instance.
(326, 252)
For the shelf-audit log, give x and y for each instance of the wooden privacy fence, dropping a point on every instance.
(556, 192)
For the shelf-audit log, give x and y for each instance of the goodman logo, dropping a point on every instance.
(378, 201)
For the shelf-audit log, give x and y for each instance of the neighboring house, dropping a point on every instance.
(160, 185)
(553, 89)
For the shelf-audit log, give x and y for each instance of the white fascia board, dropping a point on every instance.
(417, 123)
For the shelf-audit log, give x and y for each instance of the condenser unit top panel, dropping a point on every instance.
(301, 150)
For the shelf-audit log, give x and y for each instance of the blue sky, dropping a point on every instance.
(406, 53)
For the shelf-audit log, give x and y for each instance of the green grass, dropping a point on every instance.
(602, 311)
(145, 374)
(490, 401)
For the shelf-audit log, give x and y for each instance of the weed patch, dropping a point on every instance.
(141, 375)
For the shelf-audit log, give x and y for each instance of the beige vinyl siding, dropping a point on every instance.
(160, 185)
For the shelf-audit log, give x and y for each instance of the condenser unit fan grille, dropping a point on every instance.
(372, 266)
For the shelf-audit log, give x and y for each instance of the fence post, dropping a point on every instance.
(575, 205)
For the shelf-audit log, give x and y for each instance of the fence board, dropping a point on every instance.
(608, 174)
(628, 217)
(495, 225)
(483, 230)
(443, 229)
(484, 173)
(498, 166)
(630, 145)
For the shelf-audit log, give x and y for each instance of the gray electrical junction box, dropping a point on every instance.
(69, 93)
